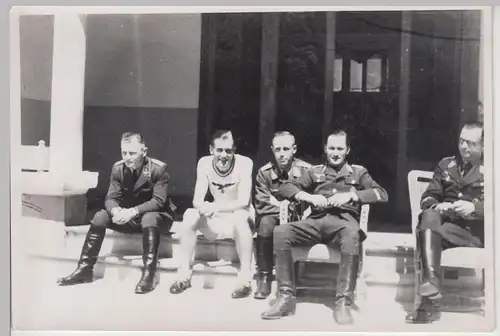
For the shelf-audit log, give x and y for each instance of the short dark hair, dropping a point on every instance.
(127, 136)
(221, 134)
(474, 124)
(339, 132)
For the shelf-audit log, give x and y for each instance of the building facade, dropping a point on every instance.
(399, 82)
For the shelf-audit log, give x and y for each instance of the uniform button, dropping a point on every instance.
(460, 194)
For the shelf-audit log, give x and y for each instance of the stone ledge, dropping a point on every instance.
(67, 208)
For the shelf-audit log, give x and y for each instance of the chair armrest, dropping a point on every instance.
(284, 206)
(363, 217)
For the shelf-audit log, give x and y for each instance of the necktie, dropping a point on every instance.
(133, 176)
(466, 168)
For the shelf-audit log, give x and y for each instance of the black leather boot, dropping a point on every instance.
(286, 301)
(90, 251)
(346, 285)
(430, 256)
(427, 312)
(265, 262)
(150, 245)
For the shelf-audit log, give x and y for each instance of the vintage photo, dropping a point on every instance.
(251, 170)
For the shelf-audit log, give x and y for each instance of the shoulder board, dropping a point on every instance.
(357, 166)
(117, 163)
(448, 159)
(445, 162)
(267, 166)
(302, 164)
(158, 162)
(318, 167)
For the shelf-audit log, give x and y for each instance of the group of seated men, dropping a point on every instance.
(138, 201)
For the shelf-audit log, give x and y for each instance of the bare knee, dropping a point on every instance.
(190, 218)
(242, 226)
(189, 222)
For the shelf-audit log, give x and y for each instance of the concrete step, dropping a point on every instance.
(388, 264)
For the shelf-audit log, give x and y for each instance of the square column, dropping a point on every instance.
(68, 84)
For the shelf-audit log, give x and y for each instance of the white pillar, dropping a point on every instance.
(68, 83)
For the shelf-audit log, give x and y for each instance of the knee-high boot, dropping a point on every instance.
(150, 245)
(286, 301)
(88, 257)
(265, 263)
(346, 285)
(429, 255)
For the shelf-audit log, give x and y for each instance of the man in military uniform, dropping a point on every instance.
(137, 200)
(336, 191)
(269, 178)
(452, 216)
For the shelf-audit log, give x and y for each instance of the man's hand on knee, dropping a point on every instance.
(206, 209)
(444, 207)
(124, 216)
(463, 208)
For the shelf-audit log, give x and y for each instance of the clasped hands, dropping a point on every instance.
(121, 216)
(460, 207)
(336, 200)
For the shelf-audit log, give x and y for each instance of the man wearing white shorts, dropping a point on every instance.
(228, 177)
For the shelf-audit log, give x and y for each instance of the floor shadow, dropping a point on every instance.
(322, 296)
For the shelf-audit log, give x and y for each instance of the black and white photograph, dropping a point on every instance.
(348, 150)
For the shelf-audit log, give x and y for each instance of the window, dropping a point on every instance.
(356, 76)
(373, 74)
(337, 75)
(368, 75)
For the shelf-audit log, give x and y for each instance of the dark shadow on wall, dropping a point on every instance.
(170, 134)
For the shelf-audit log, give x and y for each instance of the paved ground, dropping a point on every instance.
(110, 304)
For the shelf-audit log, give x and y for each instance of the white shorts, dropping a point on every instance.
(222, 225)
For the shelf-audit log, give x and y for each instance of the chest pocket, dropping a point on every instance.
(352, 185)
(319, 178)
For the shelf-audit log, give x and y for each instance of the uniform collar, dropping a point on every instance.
(293, 171)
(144, 172)
(346, 170)
(474, 174)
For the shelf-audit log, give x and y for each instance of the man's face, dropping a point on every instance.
(133, 153)
(336, 150)
(470, 144)
(223, 152)
(284, 150)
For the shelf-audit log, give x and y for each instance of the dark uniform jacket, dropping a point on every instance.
(449, 185)
(268, 181)
(324, 180)
(148, 193)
